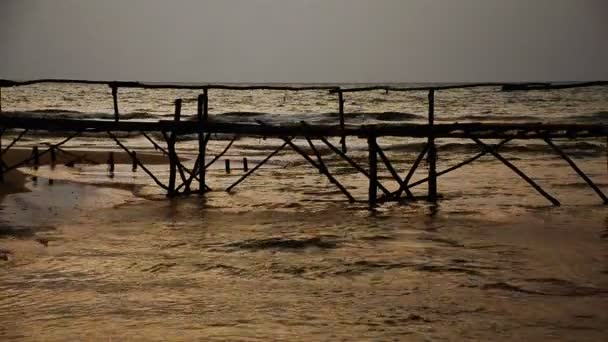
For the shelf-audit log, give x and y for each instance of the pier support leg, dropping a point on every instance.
(111, 164)
(115, 101)
(405, 184)
(29, 160)
(141, 165)
(36, 156)
(353, 164)
(202, 112)
(373, 172)
(432, 150)
(227, 165)
(537, 187)
(341, 102)
(580, 172)
(258, 166)
(172, 153)
(134, 161)
(320, 165)
(1, 160)
(393, 172)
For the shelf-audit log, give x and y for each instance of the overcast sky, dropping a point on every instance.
(305, 40)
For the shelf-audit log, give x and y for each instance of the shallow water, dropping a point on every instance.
(284, 256)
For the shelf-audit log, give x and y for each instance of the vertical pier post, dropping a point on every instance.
(1, 161)
(202, 113)
(115, 101)
(171, 148)
(373, 171)
(342, 121)
(432, 152)
(227, 162)
(53, 156)
(133, 161)
(245, 165)
(36, 156)
(111, 163)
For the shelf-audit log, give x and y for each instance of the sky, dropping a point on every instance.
(305, 41)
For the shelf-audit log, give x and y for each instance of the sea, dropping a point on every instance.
(284, 255)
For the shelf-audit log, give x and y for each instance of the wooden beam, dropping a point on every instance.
(412, 171)
(353, 163)
(341, 102)
(115, 101)
(141, 165)
(540, 190)
(202, 146)
(40, 154)
(1, 160)
(393, 172)
(226, 149)
(373, 172)
(572, 164)
(256, 167)
(432, 152)
(456, 130)
(461, 164)
(171, 148)
(16, 140)
(324, 170)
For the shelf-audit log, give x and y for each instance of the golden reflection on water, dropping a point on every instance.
(285, 258)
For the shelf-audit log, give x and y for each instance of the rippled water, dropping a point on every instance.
(285, 257)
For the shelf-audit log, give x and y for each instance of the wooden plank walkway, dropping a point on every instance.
(454, 130)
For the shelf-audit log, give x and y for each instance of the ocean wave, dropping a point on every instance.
(284, 243)
(492, 117)
(316, 118)
(580, 148)
(74, 114)
(547, 287)
(597, 117)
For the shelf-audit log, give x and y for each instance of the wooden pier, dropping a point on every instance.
(181, 178)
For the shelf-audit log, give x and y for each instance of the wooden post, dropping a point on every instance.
(245, 166)
(1, 161)
(115, 100)
(227, 162)
(537, 187)
(353, 164)
(111, 163)
(53, 155)
(257, 166)
(206, 105)
(36, 156)
(342, 121)
(580, 172)
(202, 145)
(171, 148)
(373, 171)
(134, 161)
(432, 152)
(411, 172)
